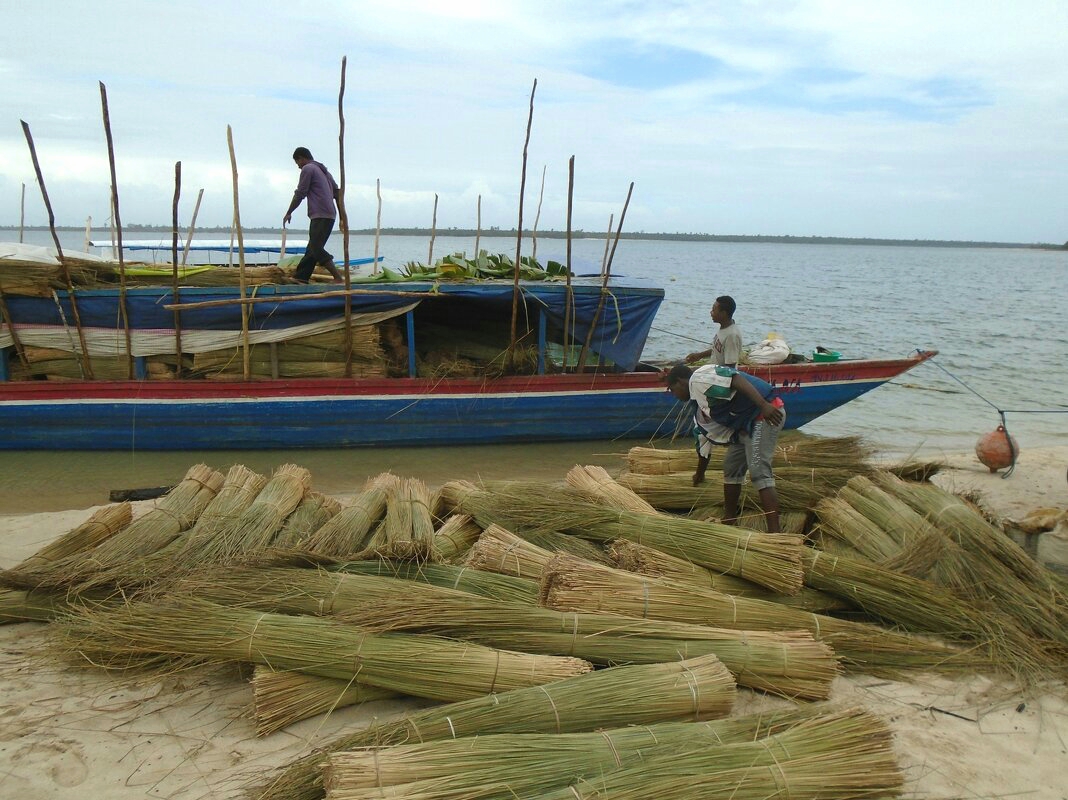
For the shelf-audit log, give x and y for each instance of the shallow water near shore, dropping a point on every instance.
(996, 316)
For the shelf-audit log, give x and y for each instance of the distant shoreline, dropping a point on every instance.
(581, 234)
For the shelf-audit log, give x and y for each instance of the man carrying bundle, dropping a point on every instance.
(742, 412)
(318, 185)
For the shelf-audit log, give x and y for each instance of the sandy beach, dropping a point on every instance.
(70, 732)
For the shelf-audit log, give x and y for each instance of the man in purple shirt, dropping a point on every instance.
(318, 185)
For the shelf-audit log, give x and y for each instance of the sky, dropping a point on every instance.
(933, 119)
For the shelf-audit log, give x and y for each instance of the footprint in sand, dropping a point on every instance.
(63, 760)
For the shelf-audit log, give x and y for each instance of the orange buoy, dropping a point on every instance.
(996, 449)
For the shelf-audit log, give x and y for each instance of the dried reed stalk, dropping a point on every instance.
(631, 695)
(597, 486)
(792, 664)
(424, 666)
(573, 585)
(282, 698)
(314, 511)
(174, 513)
(498, 550)
(454, 538)
(407, 531)
(644, 560)
(348, 531)
(799, 488)
(771, 560)
(101, 525)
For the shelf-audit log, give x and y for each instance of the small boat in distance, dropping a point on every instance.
(423, 358)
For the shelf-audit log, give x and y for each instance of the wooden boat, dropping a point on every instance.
(404, 393)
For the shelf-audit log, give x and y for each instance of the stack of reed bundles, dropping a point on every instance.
(348, 531)
(407, 530)
(319, 355)
(533, 765)
(448, 576)
(423, 666)
(771, 560)
(789, 663)
(30, 278)
(694, 689)
(255, 275)
(282, 698)
(314, 511)
(643, 560)
(499, 550)
(799, 488)
(53, 364)
(572, 585)
(793, 449)
(171, 516)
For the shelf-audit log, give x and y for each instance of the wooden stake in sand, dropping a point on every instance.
(174, 264)
(245, 363)
(519, 229)
(607, 273)
(193, 225)
(378, 222)
(118, 225)
(569, 297)
(343, 218)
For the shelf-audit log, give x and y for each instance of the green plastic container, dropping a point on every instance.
(833, 355)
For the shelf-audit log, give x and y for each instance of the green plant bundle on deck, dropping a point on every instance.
(609, 698)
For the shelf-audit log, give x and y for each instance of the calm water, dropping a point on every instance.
(995, 315)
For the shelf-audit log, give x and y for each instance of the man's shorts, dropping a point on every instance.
(753, 453)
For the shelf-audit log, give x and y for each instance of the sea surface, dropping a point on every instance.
(996, 316)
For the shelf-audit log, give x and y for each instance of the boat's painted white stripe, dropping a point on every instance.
(396, 398)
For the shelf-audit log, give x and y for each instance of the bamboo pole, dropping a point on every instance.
(111, 227)
(245, 360)
(174, 264)
(606, 274)
(537, 217)
(569, 297)
(251, 301)
(519, 228)
(87, 366)
(478, 228)
(192, 227)
(343, 216)
(118, 227)
(22, 214)
(433, 232)
(378, 222)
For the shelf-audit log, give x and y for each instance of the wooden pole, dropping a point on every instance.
(111, 227)
(344, 217)
(245, 356)
(569, 298)
(292, 298)
(6, 314)
(118, 227)
(537, 218)
(192, 227)
(433, 232)
(519, 231)
(606, 273)
(87, 366)
(174, 264)
(22, 214)
(378, 222)
(478, 229)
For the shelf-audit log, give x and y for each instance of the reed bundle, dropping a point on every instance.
(30, 605)
(799, 488)
(407, 530)
(771, 560)
(597, 486)
(282, 698)
(349, 529)
(609, 698)
(895, 517)
(101, 525)
(259, 524)
(454, 538)
(29, 278)
(795, 522)
(448, 576)
(790, 664)
(240, 488)
(498, 550)
(643, 560)
(573, 585)
(855, 534)
(173, 514)
(314, 511)
(424, 666)
(527, 765)
(844, 756)
(793, 449)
